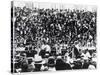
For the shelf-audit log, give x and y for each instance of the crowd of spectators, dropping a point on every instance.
(62, 25)
(67, 35)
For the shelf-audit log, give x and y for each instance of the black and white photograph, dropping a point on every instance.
(53, 37)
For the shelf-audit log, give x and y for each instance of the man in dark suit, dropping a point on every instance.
(61, 65)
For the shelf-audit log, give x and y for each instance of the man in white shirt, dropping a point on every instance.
(46, 47)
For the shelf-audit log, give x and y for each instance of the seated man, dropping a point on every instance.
(24, 63)
(61, 65)
(38, 62)
(51, 64)
(77, 64)
(31, 66)
(45, 50)
(85, 64)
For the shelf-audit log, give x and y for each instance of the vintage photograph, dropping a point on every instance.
(53, 37)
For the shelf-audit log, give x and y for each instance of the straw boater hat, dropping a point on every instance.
(59, 57)
(38, 59)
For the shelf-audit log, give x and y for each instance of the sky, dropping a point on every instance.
(54, 5)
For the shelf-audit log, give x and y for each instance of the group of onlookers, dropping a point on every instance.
(50, 36)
